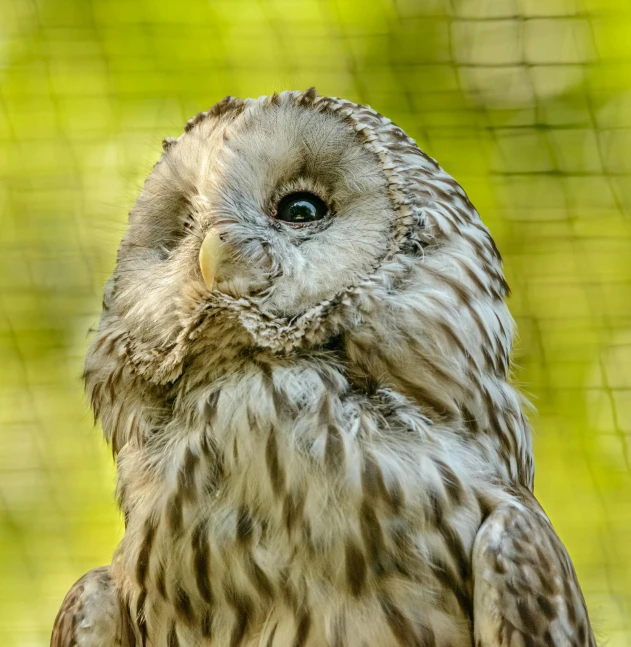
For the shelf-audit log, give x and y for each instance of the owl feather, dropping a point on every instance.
(303, 369)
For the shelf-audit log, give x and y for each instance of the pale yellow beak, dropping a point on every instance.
(210, 257)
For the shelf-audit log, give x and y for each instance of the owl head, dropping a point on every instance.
(300, 225)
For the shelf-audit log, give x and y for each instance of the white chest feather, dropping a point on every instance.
(296, 511)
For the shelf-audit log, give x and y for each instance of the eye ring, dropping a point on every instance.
(300, 208)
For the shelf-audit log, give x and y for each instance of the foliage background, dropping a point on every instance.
(526, 102)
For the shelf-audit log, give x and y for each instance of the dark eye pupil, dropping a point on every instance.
(301, 207)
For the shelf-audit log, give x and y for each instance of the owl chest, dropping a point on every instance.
(309, 527)
(236, 576)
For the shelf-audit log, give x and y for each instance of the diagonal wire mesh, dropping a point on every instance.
(527, 103)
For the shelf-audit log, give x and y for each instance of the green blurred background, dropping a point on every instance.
(526, 102)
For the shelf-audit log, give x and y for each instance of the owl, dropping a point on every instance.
(302, 366)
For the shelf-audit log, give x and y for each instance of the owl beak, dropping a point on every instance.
(210, 257)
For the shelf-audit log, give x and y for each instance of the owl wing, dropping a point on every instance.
(525, 588)
(92, 615)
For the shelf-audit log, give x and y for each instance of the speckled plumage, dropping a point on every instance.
(325, 449)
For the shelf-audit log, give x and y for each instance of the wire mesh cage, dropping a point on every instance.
(527, 103)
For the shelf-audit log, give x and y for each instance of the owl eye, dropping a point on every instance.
(301, 207)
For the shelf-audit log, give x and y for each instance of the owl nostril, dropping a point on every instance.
(220, 227)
